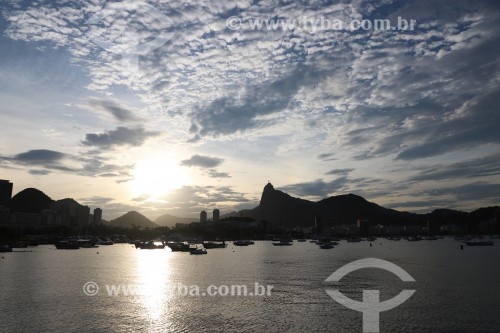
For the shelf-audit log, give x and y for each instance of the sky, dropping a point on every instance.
(181, 106)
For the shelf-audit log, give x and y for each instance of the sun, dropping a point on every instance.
(155, 177)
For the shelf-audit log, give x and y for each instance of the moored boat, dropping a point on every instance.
(67, 245)
(199, 251)
(354, 240)
(19, 245)
(215, 245)
(327, 245)
(86, 243)
(244, 242)
(179, 247)
(151, 245)
(479, 243)
(5, 248)
(105, 242)
(283, 242)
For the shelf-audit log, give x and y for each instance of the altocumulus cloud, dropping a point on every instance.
(202, 161)
(397, 96)
(207, 164)
(111, 107)
(39, 156)
(228, 114)
(121, 136)
(44, 158)
(43, 161)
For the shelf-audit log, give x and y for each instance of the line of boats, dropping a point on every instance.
(197, 247)
(244, 242)
(75, 244)
(478, 242)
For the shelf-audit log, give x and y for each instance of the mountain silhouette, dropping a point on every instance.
(278, 207)
(281, 208)
(30, 200)
(133, 219)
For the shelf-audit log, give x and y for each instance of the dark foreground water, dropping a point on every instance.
(42, 290)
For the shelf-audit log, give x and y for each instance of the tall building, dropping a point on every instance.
(4, 215)
(364, 227)
(318, 224)
(5, 192)
(203, 217)
(49, 216)
(215, 215)
(72, 214)
(97, 216)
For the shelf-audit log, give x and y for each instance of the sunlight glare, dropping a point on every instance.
(156, 177)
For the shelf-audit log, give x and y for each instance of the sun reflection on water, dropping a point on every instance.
(153, 276)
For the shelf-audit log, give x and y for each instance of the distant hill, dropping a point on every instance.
(168, 220)
(131, 219)
(30, 200)
(278, 207)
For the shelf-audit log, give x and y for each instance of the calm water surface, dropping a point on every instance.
(42, 290)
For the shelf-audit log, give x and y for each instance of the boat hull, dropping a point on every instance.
(67, 245)
(5, 248)
(198, 252)
(479, 243)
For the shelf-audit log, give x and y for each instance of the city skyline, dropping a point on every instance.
(404, 118)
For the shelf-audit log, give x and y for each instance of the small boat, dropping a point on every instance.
(179, 247)
(5, 248)
(198, 251)
(414, 238)
(67, 245)
(479, 243)
(431, 238)
(327, 245)
(19, 245)
(243, 242)
(301, 240)
(149, 245)
(283, 242)
(354, 240)
(371, 239)
(86, 243)
(214, 245)
(105, 242)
